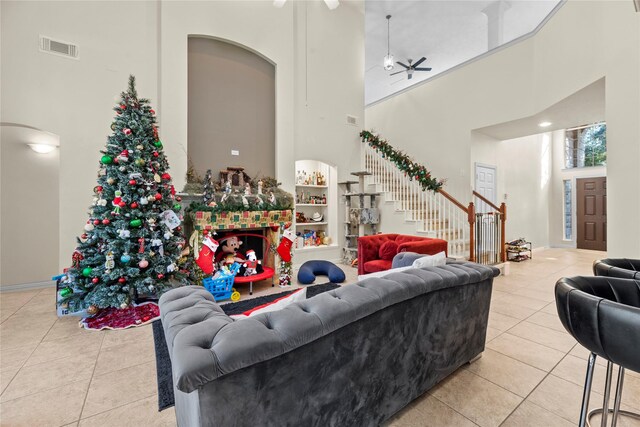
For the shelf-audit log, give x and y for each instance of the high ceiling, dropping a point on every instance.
(447, 33)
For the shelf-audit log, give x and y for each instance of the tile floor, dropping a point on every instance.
(53, 373)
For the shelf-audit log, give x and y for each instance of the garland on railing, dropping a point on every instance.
(403, 162)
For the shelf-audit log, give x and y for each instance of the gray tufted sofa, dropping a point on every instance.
(353, 356)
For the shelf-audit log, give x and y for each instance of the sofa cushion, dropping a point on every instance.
(277, 304)
(376, 265)
(430, 260)
(388, 250)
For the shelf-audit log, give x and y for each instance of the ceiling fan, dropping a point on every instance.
(409, 69)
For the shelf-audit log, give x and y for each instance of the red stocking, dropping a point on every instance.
(205, 257)
(284, 249)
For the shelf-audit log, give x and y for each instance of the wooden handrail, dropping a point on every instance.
(484, 199)
(453, 200)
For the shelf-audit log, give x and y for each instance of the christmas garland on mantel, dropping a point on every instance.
(403, 162)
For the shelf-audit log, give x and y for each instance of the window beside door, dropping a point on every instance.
(568, 210)
(586, 146)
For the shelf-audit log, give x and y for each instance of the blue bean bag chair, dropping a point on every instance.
(310, 269)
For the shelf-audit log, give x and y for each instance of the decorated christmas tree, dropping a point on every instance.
(132, 240)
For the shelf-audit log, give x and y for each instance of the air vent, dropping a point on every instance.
(352, 120)
(58, 47)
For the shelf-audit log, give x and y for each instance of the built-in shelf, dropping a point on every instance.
(310, 223)
(311, 186)
(311, 204)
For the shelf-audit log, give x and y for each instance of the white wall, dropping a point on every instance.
(523, 169)
(73, 99)
(29, 199)
(581, 43)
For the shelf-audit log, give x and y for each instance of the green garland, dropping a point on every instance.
(403, 162)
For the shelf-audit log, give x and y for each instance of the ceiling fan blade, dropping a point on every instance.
(423, 69)
(405, 66)
(420, 61)
(398, 72)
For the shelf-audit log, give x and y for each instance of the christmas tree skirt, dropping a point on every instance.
(118, 318)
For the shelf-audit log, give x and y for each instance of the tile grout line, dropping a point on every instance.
(19, 308)
(84, 402)
(448, 406)
(113, 409)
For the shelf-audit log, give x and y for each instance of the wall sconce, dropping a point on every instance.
(42, 148)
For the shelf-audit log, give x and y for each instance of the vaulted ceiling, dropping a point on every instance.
(447, 33)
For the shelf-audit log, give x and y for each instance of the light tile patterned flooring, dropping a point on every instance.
(53, 373)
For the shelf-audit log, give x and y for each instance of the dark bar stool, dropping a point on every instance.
(603, 315)
(617, 267)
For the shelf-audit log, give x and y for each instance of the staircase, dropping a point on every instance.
(436, 215)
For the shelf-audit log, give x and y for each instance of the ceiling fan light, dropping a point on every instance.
(332, 4)
(388, 62)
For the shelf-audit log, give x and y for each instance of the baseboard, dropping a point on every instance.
(27, 286)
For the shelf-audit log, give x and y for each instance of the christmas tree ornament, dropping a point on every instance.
(166, 176)
(155, 154)
(123, 233)
(132, 182)
(157, 178)
(113, 126)
(98, 189)
(88, 226)
(168, 235)
(158, 196)
(158, 144)
(95, 280)
(151, 198)
(123, 106)
(66, 291)
(116, 202)
(133, 205)
(123, 156)
(122, 169)
(135, 223)
(143, 263)
(107, 160)
(143, 201)
(124, 305)
(109, 263)
(83, 236)
(141, 247)
(160, 276)
(139, 162)
(86, 272)
(106, 221)
(96, 222)
(177, 207)
(139, 147)
(125, 258)
(111, 181)
(178, 199)
(122, 280)
(92, 309)
(126, 131)
(152, 111)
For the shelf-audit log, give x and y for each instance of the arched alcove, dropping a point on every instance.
(231, 108)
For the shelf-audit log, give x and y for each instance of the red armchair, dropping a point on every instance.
(369, 257)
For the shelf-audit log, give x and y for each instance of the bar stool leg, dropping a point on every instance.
(587, 390)
(618, 398)
(607, 395)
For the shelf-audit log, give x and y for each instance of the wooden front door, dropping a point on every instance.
(592, 213)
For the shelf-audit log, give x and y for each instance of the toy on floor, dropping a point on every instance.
(221, 285)
(251, 264)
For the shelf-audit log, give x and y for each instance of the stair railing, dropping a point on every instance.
(439, 214)
(491, 227)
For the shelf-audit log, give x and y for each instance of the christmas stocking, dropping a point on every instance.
(284, 249)
(206, 255)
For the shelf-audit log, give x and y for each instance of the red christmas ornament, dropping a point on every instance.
(166, 176)
(141, 241)
(96, 222)
(123, 106)
(98, 189)
(132, 182)
(158, 196)
(160, 276)
(84, 235)
(95, 280)
(155, 154)
(178, 228)
(122, 280)
(134, 205)
(126, 131)
(122, 204)
(106, 221)
(179, 199)
(205, 232)
(152, 111)
(173, 190)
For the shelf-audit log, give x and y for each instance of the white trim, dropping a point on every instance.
(27, 286)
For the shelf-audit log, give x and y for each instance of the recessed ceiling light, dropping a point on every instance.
(544, 124)
(42, 148)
